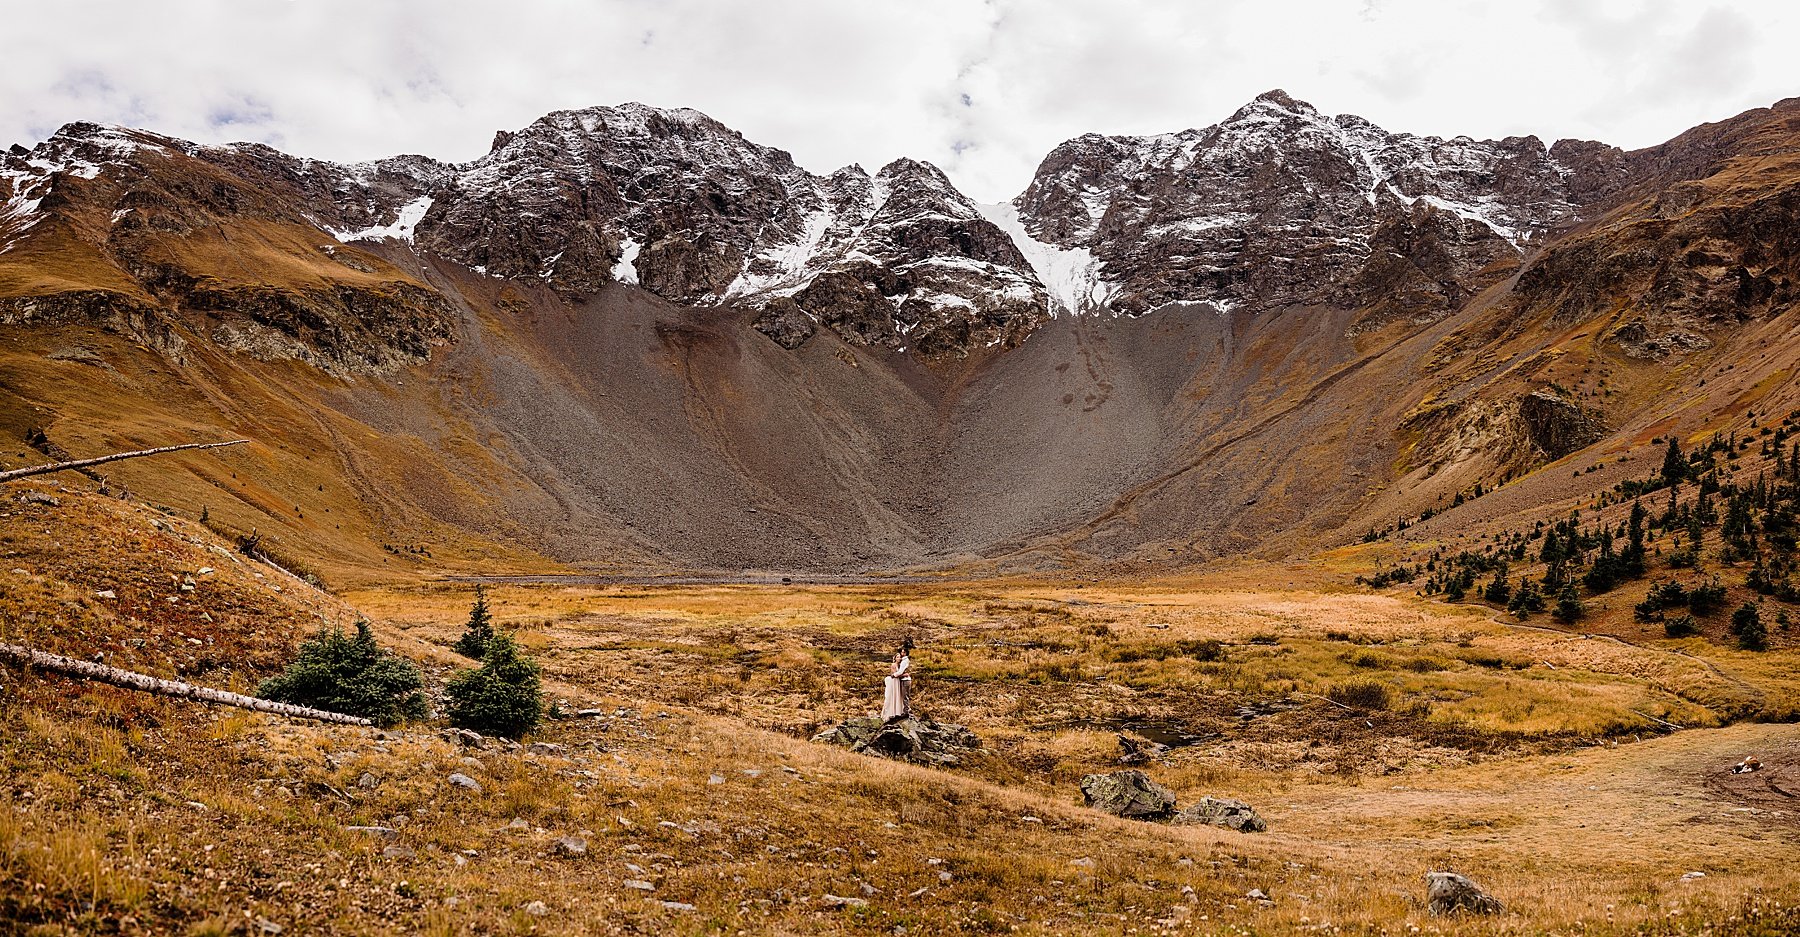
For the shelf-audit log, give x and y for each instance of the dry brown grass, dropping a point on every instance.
(1502, 754)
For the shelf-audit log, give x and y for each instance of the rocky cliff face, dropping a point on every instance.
(1280, 204)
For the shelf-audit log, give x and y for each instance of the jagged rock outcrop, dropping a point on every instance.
(1280, 204)
(912, 738)
(1558, 425)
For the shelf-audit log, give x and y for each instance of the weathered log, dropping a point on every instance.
(132, 680)
(11, 474)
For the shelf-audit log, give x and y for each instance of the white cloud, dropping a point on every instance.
(984, 89)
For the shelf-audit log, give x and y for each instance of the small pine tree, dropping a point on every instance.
(479, 630)
(1526, 600)
(1675, 468)
(1746, 624)
(350, 674)
(1497, 591)
(502, 696)
(1568, 605)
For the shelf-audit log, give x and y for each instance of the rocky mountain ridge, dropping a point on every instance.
(1275, 205)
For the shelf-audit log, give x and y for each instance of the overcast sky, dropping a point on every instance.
(983, 89)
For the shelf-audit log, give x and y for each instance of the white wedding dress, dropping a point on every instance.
(896, 702)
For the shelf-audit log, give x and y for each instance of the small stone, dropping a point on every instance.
(378, 832)
(537, 909)
(1257, 894)
(572, 846)
(465, 782)
(1692, 876)
(545, 748)
(368, 781)
(1084, 862)
(945, 878)
(677, 906)
(868, 890)
(716, 780)
(106, 594)
(638, 884)
(1450, 893)
(398, 851)
(517, 823)
(1028, 818)
(839, 901)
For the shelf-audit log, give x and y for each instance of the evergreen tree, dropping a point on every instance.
(1746, 624)
(1675, 468)
(1568, 605)
(479, 630)
(501, 697)
(348, 674)
(1497, 591)
(1633, 559)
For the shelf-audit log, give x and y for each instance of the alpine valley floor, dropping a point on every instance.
(1531, 758)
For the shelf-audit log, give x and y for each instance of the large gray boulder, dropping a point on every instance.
(1129, 794)
(913, 738)
(1449, 893)
(1222, 811)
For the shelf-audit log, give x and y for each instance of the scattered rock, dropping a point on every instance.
(1257, 894)
(465, 738)
(839, 901)
(545, 748)
(368, 781)
(1691, 876)
(106, 594)
(1082, 863)
(1136, 751)
(639, 885)
(716, 780)
(1449, 893)
(517, 823)
(677, 906)
(572, 846)
(379, 832)
(1129, 794)
(537, 909)
(1222, 811)
(38, 497)
(398, 851)
(914, 739)
(465, 782)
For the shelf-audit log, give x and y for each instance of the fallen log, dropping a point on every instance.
(132, 680)
(28, 471)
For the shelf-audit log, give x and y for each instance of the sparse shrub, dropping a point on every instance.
(1424, 665)
(1681, 626)
(478, 631)
(1204, 650)
(1362, 694)
(1363, 659)
(349, 674)
(502, 696)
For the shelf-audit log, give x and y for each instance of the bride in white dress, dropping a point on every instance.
(896, 700)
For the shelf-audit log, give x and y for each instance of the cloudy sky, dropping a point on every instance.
(981, 87)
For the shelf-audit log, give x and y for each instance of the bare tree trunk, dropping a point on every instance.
(132, 680)
(28, 471)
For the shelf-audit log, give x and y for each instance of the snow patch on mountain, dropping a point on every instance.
(1071, 276)
(400, 229)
